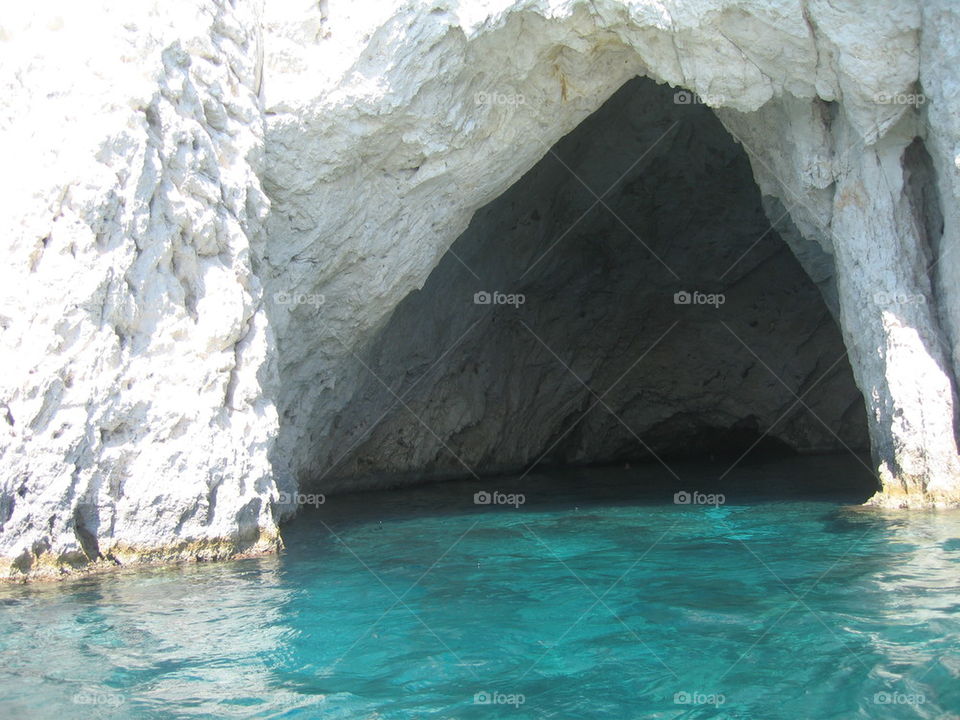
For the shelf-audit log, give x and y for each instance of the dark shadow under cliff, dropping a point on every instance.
(627, 299)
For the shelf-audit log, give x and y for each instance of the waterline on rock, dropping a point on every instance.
(599, 596)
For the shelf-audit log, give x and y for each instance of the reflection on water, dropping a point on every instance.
(597, 597)
(157, 638)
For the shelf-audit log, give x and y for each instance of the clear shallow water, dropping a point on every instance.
(590, 600)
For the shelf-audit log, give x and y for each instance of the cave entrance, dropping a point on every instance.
(626, 300)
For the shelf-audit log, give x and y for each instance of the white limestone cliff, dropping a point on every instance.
(137, 384)
(185, 181)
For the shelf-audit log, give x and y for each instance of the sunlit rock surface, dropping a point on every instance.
(213, 210)
(137, 385)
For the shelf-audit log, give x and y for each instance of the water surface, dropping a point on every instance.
(597, 597)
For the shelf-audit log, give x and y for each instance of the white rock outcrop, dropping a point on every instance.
(138, 380)
(184, 182)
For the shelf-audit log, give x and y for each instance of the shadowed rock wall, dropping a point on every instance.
(599, 362)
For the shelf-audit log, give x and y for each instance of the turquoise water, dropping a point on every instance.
(592, 599)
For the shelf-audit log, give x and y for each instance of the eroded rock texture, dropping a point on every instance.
(599, 363)
(827, 102)
(136, 387)
(184, 181)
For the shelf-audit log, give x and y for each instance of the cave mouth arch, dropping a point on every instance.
(627, 299)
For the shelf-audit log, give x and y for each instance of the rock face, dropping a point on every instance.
(220, 218)
(588, 357)
(137, 388)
